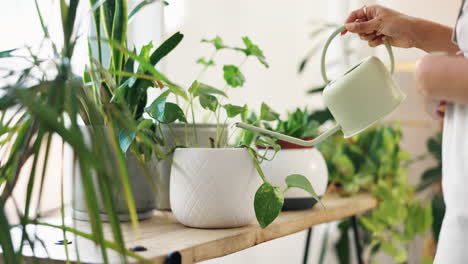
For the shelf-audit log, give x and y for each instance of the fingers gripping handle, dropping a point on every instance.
(329, 40)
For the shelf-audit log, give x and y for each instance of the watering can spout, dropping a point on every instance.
(297, 141)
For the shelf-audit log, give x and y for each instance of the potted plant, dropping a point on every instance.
(373, 161)
(307, 161)
(216, 187)
(124, 84)
(47, 100)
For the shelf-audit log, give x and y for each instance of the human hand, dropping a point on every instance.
(378, 24)
(435, 108)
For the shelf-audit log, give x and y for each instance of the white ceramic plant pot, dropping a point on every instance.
(142, 181)
(306, 161)
(213, 188)
(204, 132)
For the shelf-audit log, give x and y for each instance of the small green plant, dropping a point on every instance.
(268, 199)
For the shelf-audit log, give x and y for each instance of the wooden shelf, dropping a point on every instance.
(163, 235)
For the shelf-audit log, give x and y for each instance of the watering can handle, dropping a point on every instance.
(333, 35)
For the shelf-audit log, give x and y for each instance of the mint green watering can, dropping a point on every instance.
(359, 98)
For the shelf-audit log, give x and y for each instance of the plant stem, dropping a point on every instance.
(253, 154)
(225, 89)
(192, 108)
(173, 135)
(195, 133)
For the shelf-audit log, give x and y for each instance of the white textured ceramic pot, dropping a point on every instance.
(182, 132)
(292, 159)
(213, 187)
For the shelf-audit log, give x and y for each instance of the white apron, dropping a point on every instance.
(453, 240)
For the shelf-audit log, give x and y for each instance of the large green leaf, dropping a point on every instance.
(158, 107)
(150, 68)
(268, 204)
(108, 10)
(119, 32)
(165, 112)
(233, 76)
(173, 112)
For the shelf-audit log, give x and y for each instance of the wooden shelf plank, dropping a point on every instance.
(162, 234)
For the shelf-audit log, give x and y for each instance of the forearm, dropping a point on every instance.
(432, 37)
(443, 78)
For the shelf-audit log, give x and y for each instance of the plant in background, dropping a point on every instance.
(373, 161)
(431, 183)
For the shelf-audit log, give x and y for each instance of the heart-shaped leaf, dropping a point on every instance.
(198, 88)
(300, 181)
(157, 108)
(125, 138)
(172, 113)
(253, 50)
(267, 114)
(234, 110)
(268, 204)
(233, 76)
(209, 102)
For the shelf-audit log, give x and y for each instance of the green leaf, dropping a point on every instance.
(217, 42)
(233, 76)
(315, 90)
(166, 47)
(193, 88)
(209, 102)
(119, 31)
(203, 61)
(267, 114)
(173, 112)
(234, 110)
(158, 107)
(300, 181)
(165, 112)
(199, 88)
(150, 68)
(268, 204)
(6, 53)
(141, 5)
(253, 50)
(125, 138)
